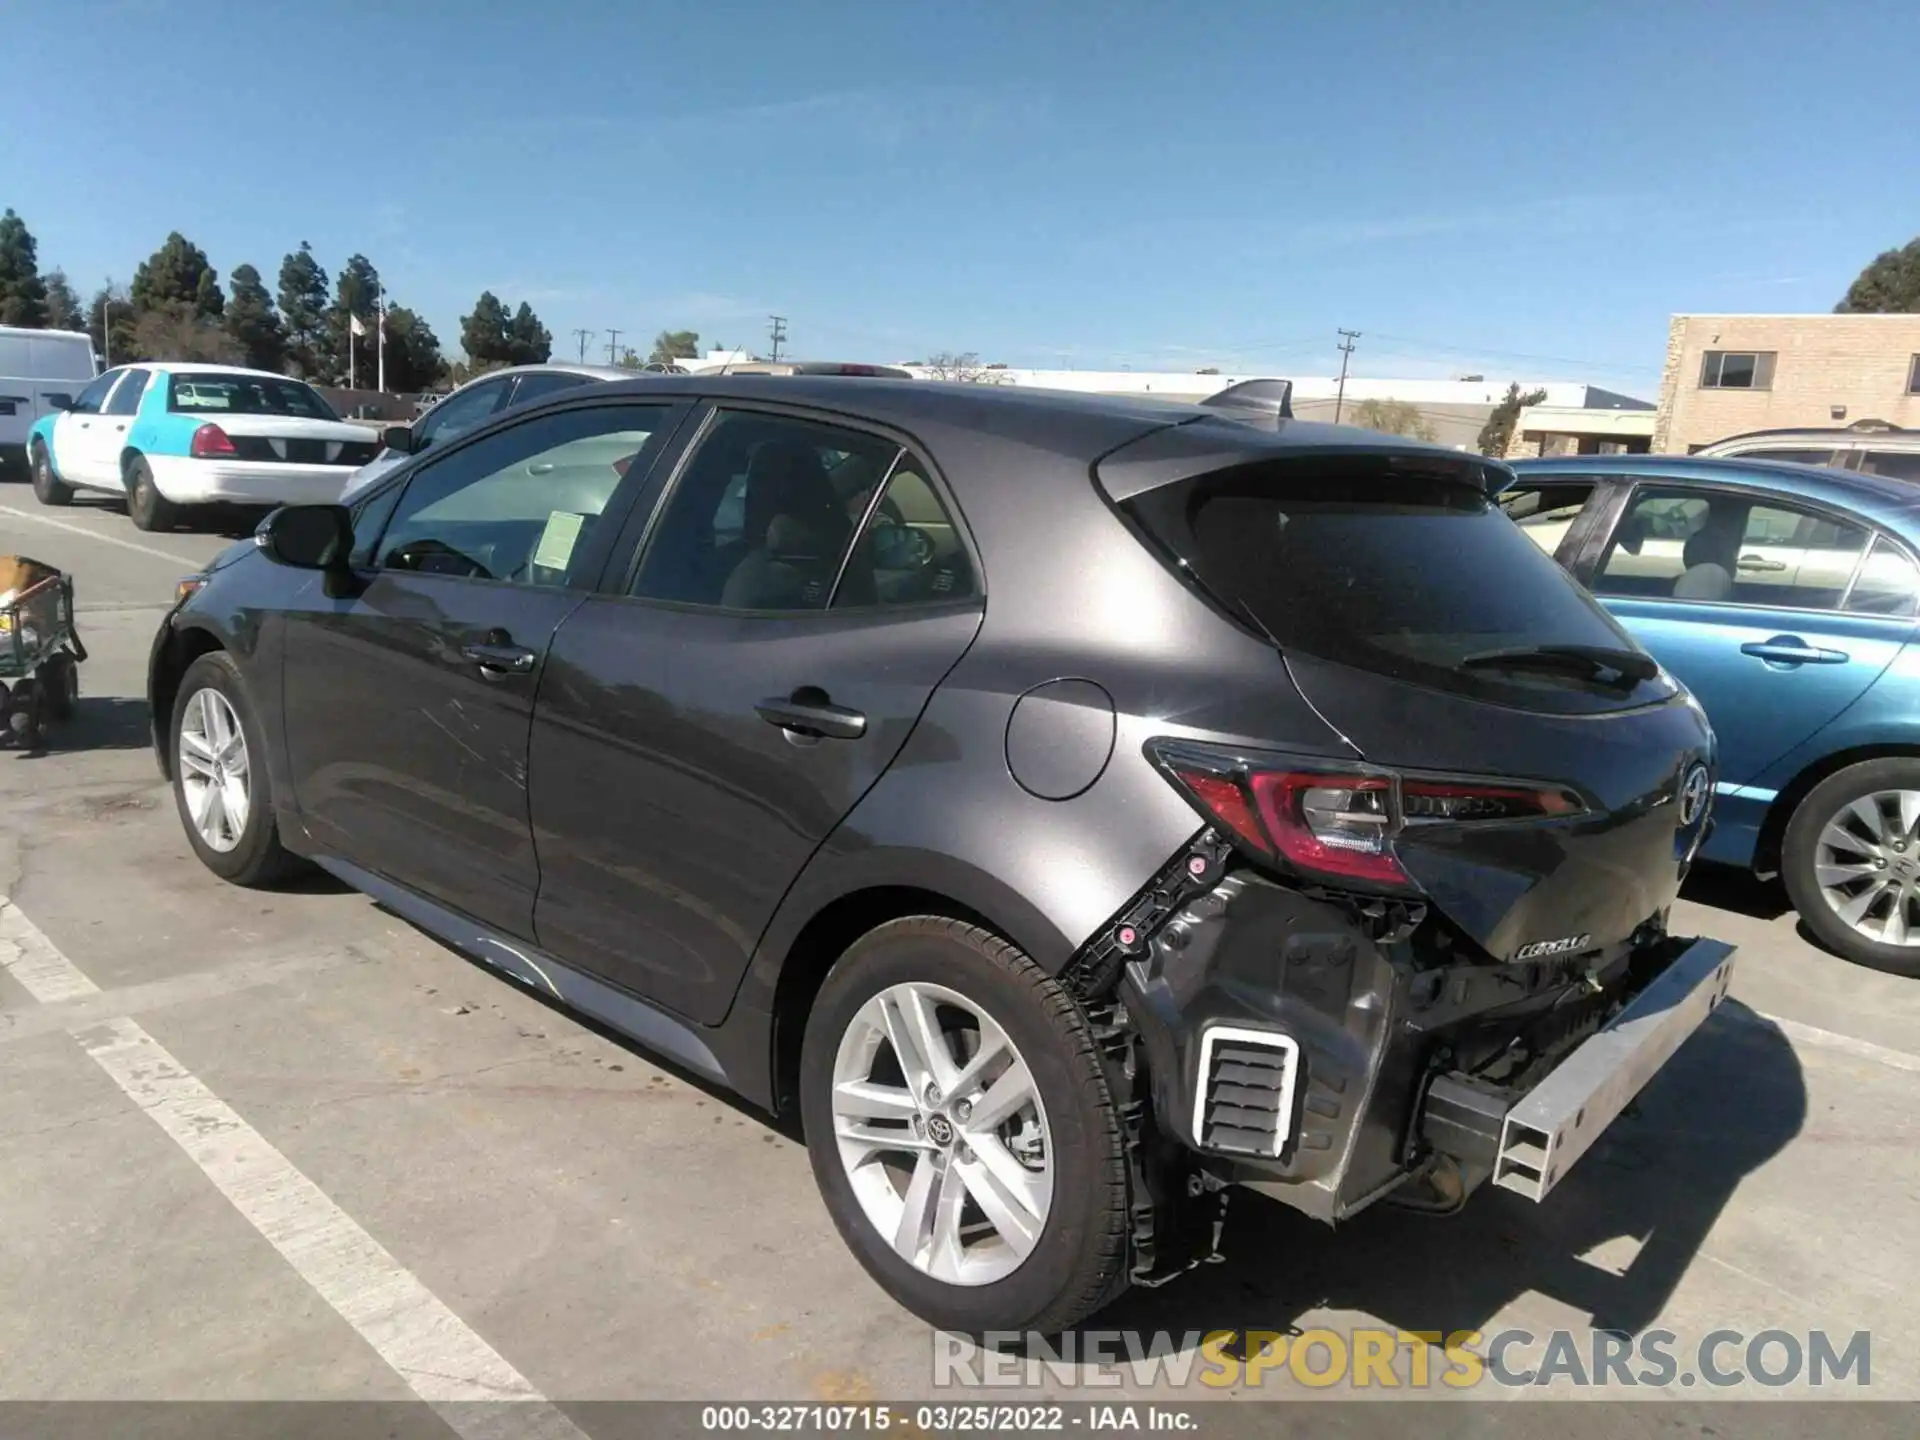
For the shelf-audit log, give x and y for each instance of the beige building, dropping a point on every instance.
(1731, 374)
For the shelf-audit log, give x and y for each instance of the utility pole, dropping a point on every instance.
(613, 341)
(584, 336)
(1340, 396)
(779, 333)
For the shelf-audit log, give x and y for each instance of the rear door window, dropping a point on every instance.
(1888, 584)
(1894, 464)
(1393, 567)
(763, 514)
(126, 395)
(1794, 457)
(1723, 547)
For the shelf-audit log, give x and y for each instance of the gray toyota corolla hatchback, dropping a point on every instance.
(1074, 808)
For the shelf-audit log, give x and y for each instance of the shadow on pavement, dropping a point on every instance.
(1725, 887)
(1728, 1102)
(100, 722)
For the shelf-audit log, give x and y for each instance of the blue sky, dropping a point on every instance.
(1525, 189)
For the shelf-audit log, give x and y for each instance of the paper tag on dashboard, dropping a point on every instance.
(555, 550)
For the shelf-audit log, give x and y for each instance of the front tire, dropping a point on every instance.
(1850, 860)
(149, 509)
(962, 1132)
(48, 488)
(221, 784)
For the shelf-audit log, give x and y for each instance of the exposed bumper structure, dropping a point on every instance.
(1560, 1118)
(1314, 1050)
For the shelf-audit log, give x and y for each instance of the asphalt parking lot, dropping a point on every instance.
(282, 1146)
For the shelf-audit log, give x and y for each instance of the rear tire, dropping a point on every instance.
(48, 488)
(149, 509)
(247, 849)
(1845, 880)
(1054, 1253)
(61, 677)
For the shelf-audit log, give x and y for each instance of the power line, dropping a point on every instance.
(1346, 351)
(779, 333)
(584, 336)
(613, 339)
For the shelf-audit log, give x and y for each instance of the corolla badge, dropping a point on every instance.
(1561, 946)
(1696, 789)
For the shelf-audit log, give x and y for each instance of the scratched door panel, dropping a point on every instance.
(407, 756)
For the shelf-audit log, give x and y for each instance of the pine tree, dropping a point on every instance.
(1891, 283)
(63, 306)
(414, 361)
(303, 313)
(116, 344)
(356, 295)
(178, 276)
(528, 341)
(23, 295)
(253, 323)
(483, 334)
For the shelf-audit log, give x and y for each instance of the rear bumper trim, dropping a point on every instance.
(1559, 1120)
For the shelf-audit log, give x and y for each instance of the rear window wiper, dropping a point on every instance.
(1604, 663)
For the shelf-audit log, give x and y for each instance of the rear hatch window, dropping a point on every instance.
(1401, 566)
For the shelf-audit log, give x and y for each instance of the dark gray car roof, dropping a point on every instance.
(1059, 420)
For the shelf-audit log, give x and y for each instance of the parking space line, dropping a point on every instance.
(1833, 1040)
(134, 545)
(440, 1357)
(28, 956)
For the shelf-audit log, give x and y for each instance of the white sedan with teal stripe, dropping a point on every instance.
(169, 436)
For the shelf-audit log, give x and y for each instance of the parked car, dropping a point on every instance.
(171, 436)
(39, 371)
(471, 405)
(1784, 597)
(1287, 819)
(1870, 447)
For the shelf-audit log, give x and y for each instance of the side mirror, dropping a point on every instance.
(58, 401)
(398, 438)
(307, 537)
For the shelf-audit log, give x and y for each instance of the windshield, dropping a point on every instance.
(1407, 575)
(216, 392)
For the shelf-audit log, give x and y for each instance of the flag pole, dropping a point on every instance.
(352, 321)
(380, 344)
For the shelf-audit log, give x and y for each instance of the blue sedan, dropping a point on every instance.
(1785, 597)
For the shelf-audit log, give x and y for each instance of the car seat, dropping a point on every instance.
(795, 529)
(1710, 555)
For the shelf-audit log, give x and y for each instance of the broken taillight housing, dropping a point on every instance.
(1338, 822)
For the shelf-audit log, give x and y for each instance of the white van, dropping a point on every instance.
(37, 369)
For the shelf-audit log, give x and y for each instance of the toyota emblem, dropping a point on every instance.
(1695, 790)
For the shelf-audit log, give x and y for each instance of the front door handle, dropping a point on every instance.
(1792, 650)
(808, 711)
(500, 658)
(1760, 562)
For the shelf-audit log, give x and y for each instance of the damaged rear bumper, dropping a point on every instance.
(1317, 1053)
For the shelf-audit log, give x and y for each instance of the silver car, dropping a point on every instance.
(471, 405)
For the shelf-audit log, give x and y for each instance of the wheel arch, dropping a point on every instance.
(1773, 829)
(174, 649)
(805, 940)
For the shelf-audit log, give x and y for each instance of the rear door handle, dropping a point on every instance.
(1760, 562)
(496, 659)
(808, 712)
(1793, 652)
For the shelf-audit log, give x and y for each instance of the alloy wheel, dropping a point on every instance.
(942, 1133)
(1867, 863)
(214, 771)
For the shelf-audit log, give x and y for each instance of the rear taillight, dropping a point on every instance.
(1340, 822)
(210, 442)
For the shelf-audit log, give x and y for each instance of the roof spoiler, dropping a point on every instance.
(1255, 402)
